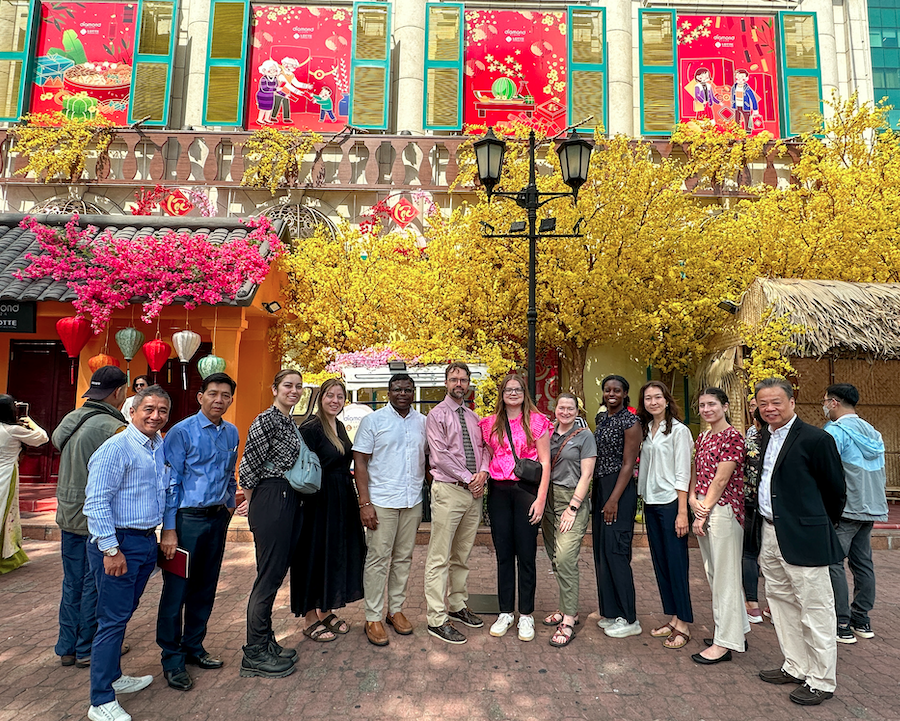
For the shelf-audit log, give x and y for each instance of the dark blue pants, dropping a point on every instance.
(78, 605)
(117, 599)
(670, 559)
(612, 549)
(750, 556)
(515, 543)
(186, 604)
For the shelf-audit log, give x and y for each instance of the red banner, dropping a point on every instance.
(299, 67)
(404, 212)
(727, 70)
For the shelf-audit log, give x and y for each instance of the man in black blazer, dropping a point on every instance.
(801, 496)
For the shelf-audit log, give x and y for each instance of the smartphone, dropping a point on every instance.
(22, 410)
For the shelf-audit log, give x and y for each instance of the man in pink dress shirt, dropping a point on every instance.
(459, 468)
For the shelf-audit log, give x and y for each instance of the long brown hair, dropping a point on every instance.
(330, 432)
(528, 407)
(673, 412)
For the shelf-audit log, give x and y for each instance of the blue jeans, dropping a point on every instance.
(856, 541)
(78, 605)
(117, 599)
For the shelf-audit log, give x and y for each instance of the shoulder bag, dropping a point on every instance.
(305, 476)
(525, 469)
(569, 436)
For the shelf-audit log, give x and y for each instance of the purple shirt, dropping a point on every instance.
(444, 433)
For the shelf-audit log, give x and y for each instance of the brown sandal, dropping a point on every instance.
(317, 630)
(556, 618)
(662, 631)
(677, 639)
(561, 633)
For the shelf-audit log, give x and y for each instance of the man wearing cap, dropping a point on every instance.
(78, 435)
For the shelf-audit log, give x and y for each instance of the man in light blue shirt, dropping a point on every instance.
(200, 452)
(125, 501)
(862, 455)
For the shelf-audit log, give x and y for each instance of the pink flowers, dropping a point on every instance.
(375, 357)
(107, 273)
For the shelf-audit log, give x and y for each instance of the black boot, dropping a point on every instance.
(260, 661)
(290, 653)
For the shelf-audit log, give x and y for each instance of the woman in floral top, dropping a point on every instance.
(717, 499)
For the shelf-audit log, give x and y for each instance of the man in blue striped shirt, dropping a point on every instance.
(126, 498)
(200, 452)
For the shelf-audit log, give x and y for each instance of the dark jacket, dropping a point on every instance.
(78, 443)
(808, 495)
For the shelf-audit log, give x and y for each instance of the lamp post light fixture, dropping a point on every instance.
(574, 162)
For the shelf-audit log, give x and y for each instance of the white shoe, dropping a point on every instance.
(622, 629)
(502, 624)
(754, 619)
(605, 622)
(526, 628)
(130, 684)
(108, 712)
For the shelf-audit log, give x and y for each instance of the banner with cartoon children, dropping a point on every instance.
(84, 60)
(727, 71)
(299, 67)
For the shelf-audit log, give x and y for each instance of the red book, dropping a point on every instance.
(178, 563)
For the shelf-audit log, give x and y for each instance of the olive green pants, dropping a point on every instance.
(564, 548)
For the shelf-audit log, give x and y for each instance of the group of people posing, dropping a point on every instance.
(354, 538)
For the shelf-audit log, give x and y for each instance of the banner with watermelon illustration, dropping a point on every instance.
(299, 67)
(84, 60)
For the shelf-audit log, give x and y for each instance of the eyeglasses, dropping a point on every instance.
(513, 392)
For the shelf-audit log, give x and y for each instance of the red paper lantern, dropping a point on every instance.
(74, 333)
(157, 353)
(100, 360)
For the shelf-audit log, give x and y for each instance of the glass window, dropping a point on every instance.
(875, 39)
(13, 25)
(430, 397)
(156, 28)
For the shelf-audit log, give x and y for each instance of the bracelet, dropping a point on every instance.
(580, 500)
(363, 505)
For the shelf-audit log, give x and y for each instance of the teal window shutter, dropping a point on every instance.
(588, 80)
(659, 71)
(15, 48)
(370, 64)
(801, 72)
(444, 56)
(226, 60)
(154, 56)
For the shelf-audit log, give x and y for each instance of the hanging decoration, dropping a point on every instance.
(157, 352)
(100, 360)
(186, 343)
(129, 341)
(74, 333)
(210, 364)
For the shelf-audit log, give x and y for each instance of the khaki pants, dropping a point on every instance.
(564, 548)
(455, 516)
(721, 549)
(802, 605)
(388, 559)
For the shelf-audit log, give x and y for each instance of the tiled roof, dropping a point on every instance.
(15, 243)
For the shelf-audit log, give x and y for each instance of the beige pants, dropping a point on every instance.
(455, 516)
(721, 550)
(388, 559)
(802, 604)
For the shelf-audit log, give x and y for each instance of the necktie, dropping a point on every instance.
(467, 442)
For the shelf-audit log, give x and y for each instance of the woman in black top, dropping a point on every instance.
(327, 572)
(614, 500)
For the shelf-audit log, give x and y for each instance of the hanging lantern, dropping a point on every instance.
(74, 333)
(157, 353)
(100, 360)
(210, 364)
(186, 343)
(129, 341)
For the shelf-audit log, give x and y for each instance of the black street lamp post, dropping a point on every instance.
(574, 160)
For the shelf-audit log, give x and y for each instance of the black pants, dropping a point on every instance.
(612, 549)
(275, 522)
(750, 558)
(515, 542)
(670, 559)
(186, 604)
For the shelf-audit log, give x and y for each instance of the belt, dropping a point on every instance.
(771, 523)
(137, 531)
(205, 511)
(462, 485)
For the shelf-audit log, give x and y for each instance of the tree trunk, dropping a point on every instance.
(574, 359)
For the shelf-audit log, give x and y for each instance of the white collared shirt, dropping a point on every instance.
(665, 466)
(776, 442)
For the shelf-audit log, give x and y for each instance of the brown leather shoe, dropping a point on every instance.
(376, 633)
(400, 623)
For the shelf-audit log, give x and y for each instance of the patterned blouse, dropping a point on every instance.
(502, 461)
(610, 438)
(273, 445)
(711, 449)
(752, 464)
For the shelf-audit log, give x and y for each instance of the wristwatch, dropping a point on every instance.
(114, 551)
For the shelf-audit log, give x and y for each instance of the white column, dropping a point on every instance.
(619, 63)
(408, 84)
(859, 50)
(828, 61)
(195, 16)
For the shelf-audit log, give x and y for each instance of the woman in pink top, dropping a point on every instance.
(516, 507)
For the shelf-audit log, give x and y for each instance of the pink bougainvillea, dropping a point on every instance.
(375, 357)
(107, 272)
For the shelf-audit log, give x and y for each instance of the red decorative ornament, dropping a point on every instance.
(404, 212)
(157, 353)
(100, 360)
(74, 333)
(177, 203)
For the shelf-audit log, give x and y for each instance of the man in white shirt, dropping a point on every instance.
(389, 456)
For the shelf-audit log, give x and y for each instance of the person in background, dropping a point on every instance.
(139, 383)
(16, 430)
(752, 520)
(664, 479)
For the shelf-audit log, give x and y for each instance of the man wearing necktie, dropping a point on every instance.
(459, 469)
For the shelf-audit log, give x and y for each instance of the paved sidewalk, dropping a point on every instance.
(421, 677)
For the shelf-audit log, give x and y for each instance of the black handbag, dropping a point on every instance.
(526, 469)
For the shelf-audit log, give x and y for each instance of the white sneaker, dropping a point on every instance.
(621, 629)
(605, 622)
(502, 624)
(108, 712)
(526, 628)
(754, 619)
(130, 684)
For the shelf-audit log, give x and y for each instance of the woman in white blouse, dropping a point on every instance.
(664, 476)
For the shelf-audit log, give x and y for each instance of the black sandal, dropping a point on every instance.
(316, 630)
(334, 624)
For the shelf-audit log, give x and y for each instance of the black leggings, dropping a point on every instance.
(515, 542)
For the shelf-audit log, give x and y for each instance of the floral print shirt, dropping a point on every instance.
(610, 438)
(711, 449)
(752, 465)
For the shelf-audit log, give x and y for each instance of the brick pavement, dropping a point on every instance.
(420, 677)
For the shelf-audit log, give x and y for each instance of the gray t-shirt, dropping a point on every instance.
(567, 470)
